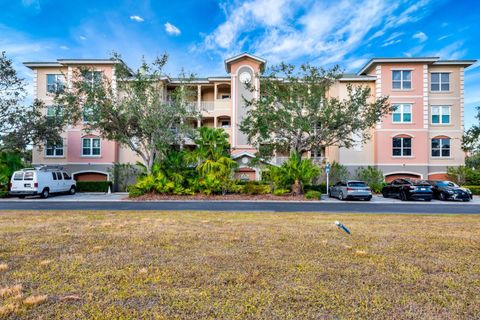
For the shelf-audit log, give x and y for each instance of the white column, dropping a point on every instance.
(215, 92)
(199, 97)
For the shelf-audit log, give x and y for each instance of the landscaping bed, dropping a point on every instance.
(200, 196)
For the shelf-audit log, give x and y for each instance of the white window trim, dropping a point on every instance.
(440, 149)
(91, 148)
(401, 80)
(401, 107)
(440, 82)
(401, 148)
(54, 151)
(440, 114)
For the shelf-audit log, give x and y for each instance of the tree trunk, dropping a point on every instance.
(297, 188)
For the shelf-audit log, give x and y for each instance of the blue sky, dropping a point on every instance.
(198, 35)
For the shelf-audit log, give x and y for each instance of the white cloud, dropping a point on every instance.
(323, 32)
(421, 36)
(32, 4)
(64, 47)
(171, 29)
(83, 38)
(453, 51)
(444, 37)
(136, 18)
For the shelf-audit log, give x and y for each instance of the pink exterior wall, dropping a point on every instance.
(108, 149)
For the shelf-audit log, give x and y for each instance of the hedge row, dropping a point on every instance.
(474, 189)
(93, 186)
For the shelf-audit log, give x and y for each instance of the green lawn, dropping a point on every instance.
(163, 265)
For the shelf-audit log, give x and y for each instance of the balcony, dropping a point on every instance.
(218, 105)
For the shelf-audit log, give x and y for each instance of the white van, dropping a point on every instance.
(41, 181)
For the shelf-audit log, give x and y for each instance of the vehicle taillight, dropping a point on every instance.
(35, 185)
(413, 187)
(350, 189)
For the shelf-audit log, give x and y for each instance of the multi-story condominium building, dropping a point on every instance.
(420, 139)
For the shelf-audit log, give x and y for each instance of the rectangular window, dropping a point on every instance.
(55, 83)
(91, 146)
(402, 147)
(402, 79)
(54, 111)
(53, 149)
(92, 77)
(402, 113)
(441, 147)
(88, 114)
(441, 114)
(440, 81)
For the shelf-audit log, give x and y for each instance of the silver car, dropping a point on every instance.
(350, 189)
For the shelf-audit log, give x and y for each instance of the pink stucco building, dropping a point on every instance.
(421, 138)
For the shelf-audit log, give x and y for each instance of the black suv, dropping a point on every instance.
(448, 190)
(406, 189)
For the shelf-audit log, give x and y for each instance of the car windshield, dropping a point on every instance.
(357, 184)
(420, 183)
(446, 184)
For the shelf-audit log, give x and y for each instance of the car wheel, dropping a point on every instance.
(442, 196)
(21, 197)
(72, 191)
(369, 198)
(340, 196)
(384, 194)
(428, 199)
(329, 194)
(403, 196)
(45, 193)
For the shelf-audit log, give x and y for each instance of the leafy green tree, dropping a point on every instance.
(23, 125)
(215, 167)
(9, 163)
(372, 176)
(296, 113)
(295, 172)
(133, 111)
(471, 138)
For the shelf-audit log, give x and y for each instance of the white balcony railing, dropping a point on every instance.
(207, 106)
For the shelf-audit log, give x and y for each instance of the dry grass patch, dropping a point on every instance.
(130, 265)
(3, 267)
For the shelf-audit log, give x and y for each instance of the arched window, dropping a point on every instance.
(440, 147)
(402, 146)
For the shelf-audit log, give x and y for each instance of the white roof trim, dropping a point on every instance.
(242, 154)
(387, 60)
(242, 55)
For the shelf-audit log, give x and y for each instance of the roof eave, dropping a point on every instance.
(394, 60)
(243, 55)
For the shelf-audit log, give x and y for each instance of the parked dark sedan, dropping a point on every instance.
(448, 190)
(406, 189)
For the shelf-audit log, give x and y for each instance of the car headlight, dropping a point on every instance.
(449, 191)
(468, 191)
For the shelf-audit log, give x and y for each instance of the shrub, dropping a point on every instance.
(475, 189)
(337, 173)
(321, 187)
(372, 176)
(252, 188)
(464, 175)
(92, 186)
(134, 192)
(280, 192)
(312, 194)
